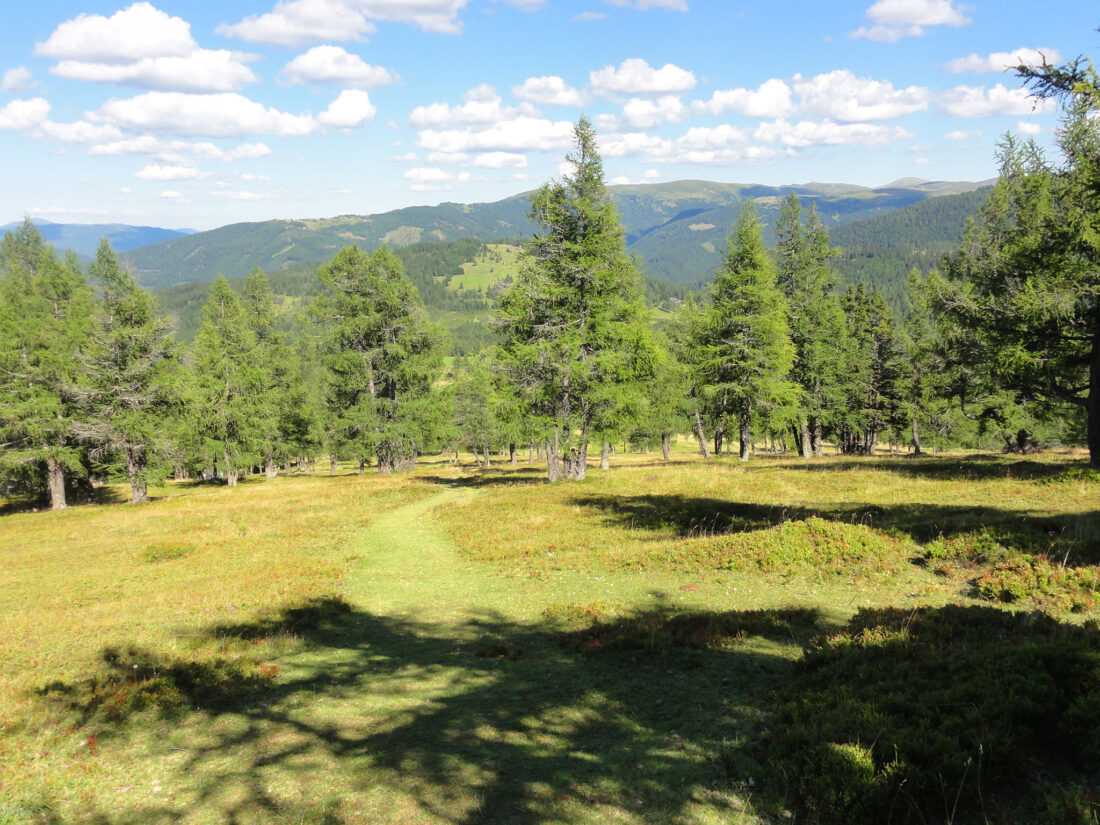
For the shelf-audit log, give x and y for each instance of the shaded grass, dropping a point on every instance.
(951, 714)
(347, 650)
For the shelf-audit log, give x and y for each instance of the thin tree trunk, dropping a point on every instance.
(271, 469)
(699, 434)
(530, 452)
(362, 466)
(718, 441)
(139, 490)
(56, 480)
(746, 431)
(1092, 403)
(332, 465)
(605, 456)
(512, 455)
(553, 467)
(819, 447)
(666, 445)
(231, 472)
(805, 447)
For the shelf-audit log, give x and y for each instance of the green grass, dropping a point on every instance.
(499, 262)
(459, 646)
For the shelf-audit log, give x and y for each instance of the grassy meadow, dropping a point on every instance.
(840, 640)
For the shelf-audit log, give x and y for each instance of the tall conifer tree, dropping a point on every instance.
(574, 324)
(45, 321)
(130, 357)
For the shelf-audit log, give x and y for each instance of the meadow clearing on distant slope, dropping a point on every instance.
(694, 642)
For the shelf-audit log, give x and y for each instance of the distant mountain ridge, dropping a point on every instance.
(84, 238)
(677, 230)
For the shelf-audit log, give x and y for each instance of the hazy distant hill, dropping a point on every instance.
(677, 230)
(83, 238)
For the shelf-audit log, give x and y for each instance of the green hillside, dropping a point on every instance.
(676, 230)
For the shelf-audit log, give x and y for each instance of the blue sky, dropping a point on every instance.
(197, 114)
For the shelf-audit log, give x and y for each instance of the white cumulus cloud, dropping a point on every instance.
(298, 22)
(959, 134)
(643, 113)
(16, 80)
(975, 101)
(1001, 61)
(895, 19)
(635, 77)
(501, 160)
(843, 96)
(483, 105)
(771, 99)
(519, 135)
(548, 91)
(642, 5)
(828, 133)
(350, 109)
(24, 114)
(164, 172)
(80, 131)
(204, 70)
(213, 115)
(138, 31)
(332, 64)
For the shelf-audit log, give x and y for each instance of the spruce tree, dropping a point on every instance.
(131, 358)
(742, 347)
(574, 327)
(45, 322)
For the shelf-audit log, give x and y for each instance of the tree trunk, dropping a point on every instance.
(231, 472)
(1092, 403)
(385, 464)
(718, 441)
(666, 445)
(576, 462)
(553, 467)
(805, 446)
(530, 452)
(746, 431)
(179, 473)
(916, 438)
(139, 490)
(362, 466)
(512, 455)
(56, 480)
(332, 465)
(699, 434)
(271, 469)
(819, 447)
(605, 456)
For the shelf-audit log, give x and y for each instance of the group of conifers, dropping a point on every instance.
(93, 386)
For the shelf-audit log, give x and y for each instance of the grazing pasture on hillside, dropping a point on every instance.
(847, 640)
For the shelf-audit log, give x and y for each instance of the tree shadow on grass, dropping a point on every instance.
(644, 715)
(690, 516)
(941, 468)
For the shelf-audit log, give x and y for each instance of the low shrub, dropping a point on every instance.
(166, 552)
(1038, 581)
(937, 714)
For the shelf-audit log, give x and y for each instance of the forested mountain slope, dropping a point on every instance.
(677, 230)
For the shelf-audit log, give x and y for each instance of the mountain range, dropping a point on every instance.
(676, 230)
(84, 238)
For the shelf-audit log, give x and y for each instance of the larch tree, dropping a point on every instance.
(1028, 275)
(742, 347)
(381, 353)
(815, 319)
(574, 326)
(130, 358)
(45, 323)
(228, 383)
(272, 360)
